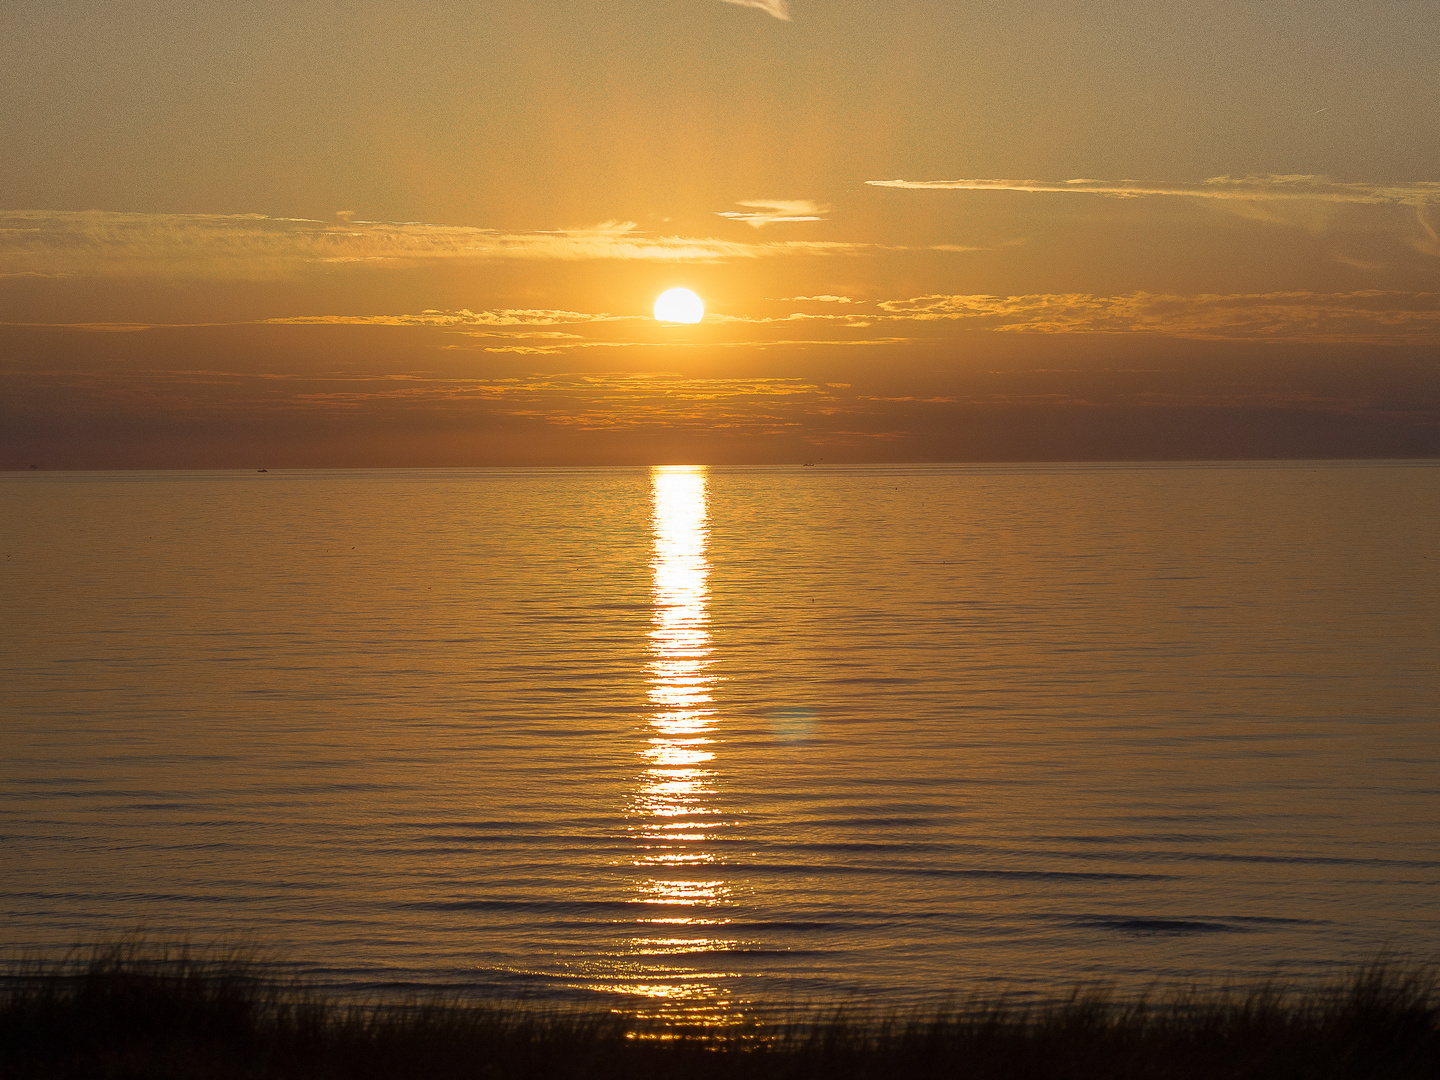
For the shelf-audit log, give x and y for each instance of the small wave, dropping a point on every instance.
(946, 872)
(1140, 925)
(741, 951)
(565, 906)
(801, 926)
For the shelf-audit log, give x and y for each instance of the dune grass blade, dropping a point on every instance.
(131, 1011)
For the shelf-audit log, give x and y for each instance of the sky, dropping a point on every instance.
(430, 233)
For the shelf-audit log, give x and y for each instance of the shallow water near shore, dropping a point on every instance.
(712, 738)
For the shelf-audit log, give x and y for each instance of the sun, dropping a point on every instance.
(679, 306)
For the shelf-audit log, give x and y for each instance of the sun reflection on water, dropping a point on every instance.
(673, 807)
(674, 810)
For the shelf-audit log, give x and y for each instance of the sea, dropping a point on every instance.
(706, 741)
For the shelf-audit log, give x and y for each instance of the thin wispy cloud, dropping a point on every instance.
(453, 319)
(1372, 316)
(552, 348)
(670, 346)
(1239, 192)
(462, 317)
(779, 8)
(1251, 188)
(494, 323)
(252, 246)
(762, 212)
(111, 327)
(794, 316)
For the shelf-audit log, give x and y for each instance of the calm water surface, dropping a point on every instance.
(709, 738)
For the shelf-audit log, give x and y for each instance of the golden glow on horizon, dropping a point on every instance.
(679, 306)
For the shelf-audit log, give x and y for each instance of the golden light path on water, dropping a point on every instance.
(674, 808)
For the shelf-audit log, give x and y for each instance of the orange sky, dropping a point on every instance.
(430, 233)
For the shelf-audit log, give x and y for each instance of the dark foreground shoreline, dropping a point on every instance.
(132, 1013)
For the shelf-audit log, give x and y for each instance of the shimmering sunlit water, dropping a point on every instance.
(710, 739)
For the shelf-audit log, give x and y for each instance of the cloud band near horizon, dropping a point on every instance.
(1374, 316)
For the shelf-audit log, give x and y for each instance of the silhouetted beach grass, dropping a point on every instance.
(130, 1011)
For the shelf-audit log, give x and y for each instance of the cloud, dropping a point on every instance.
(763, 212)
(1366, 316)
(1246, 188)
(594, 401)
(1373, 315)
(255, 247)
(1246, 194)
(794, 316)
(111, 327)
(462, 318)
(823, 298)
(551, 350)
(462, 321)
(826, 342)
(779, 8)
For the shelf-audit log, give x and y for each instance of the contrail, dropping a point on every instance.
(778, 8)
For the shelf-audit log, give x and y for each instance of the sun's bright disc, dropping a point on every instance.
(679, 305)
